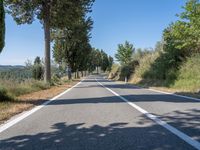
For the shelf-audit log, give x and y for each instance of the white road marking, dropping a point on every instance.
(187, 97)
(170, 128)
(11, 122)
(168, 93)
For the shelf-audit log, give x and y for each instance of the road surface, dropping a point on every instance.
(98, 114)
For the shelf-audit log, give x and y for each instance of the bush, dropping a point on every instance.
(37, 72)
(39, 85)
(144, 66)
(114, 73)
(188, 78)
(56, 79)
(125, 72)
(4, 96)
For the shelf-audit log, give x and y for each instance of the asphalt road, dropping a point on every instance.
(109, 117)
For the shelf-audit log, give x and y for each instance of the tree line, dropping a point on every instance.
(180, 40)
(66, 24)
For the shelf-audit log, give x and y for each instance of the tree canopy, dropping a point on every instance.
(124, 53)
(49, 13)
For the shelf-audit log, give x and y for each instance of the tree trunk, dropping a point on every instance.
(69, 73)
(97, 70)
(126, 79)
(47, 63)
(85, 73)
(77, 74)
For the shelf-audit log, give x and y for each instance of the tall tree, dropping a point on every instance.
(72, 44)
(52, 14)
(110, 60)
(104, 61)
(37, 69)
(125, 53)
(2, 26)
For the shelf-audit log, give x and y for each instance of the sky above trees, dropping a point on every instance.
(140, 22)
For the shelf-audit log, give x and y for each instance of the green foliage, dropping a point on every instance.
(4, 95)
(37, 69)
(180, 40)
(183, 36)
(159, 46)
(56, 80)
(189, 75)
(37, 60)
(104, 61)
(37, 72)
(16, 88)
(92, 60)
(72, 45)
(126, 71)
(54, 15)
(18, 74)
(115, 72)
(24, 11)
(97, 58)
(110, 63)
(140, 53)
(124, 53)
(144, 66)
(2, 26)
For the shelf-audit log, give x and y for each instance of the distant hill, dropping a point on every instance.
(17, 72)
(9, 67)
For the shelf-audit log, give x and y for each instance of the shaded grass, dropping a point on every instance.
(4, 95)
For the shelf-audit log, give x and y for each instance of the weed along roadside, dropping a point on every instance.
(185, 81)
(23, 102)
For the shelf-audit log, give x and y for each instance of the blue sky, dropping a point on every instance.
(139, 21)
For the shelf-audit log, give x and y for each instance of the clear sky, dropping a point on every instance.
(139, 21)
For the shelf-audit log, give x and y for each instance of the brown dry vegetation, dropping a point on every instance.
(27, 101)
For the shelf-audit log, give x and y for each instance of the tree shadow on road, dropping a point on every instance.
(187, 121)
(115, 136)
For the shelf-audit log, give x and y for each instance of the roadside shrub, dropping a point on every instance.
(188, 78)
(125, 72)
(16, 88)
(4, 95)
(37, 72)
(39, 85)
(56, 79)
(144, 66)
(114, 73)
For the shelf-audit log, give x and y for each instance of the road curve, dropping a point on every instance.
(91, 117)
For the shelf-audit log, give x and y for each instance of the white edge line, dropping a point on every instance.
(187, 97)
(168, 93)
(11, 122)
(170, 128)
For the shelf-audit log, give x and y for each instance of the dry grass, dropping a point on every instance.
(27, 101)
